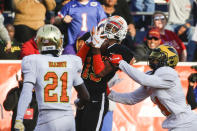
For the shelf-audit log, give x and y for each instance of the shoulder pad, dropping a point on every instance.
(166, 73)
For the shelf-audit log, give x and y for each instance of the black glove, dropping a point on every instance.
(122, 50)
(192, 77)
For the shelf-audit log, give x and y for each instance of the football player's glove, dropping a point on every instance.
(115, 59)
(19, 125)
(97, 39)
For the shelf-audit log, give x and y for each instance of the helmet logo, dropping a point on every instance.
(45, 41)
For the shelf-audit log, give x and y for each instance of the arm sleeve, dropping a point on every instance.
(64, 11)
(178, 40)
(145, 79)
(98, 64)
(29, 69)
(101, 12)
(83, 52)
(129, 98)
(24, 100)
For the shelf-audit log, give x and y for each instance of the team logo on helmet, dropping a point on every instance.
(49, 38)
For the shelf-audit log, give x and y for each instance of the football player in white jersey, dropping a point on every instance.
(52, 76)
(163, 85)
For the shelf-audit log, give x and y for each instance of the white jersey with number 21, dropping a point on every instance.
(53, 78)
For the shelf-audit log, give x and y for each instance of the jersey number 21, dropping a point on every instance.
(48, 87)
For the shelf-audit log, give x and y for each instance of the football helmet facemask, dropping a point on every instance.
(49, 40)
(115, 27)
(163, 55)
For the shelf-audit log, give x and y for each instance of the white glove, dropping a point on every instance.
(19, 125)
(77, 105)
(97, 41)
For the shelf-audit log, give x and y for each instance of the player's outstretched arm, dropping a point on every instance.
(164, 79)
(83, 96)
(130, 98)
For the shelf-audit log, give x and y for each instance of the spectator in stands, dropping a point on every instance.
(59, 5)
(180, 21)
(29, 48)
(192, 91)
(2, 5)
(194, 10)
(11, 102)
(80, 16)
(4, 34)
(8, 5)
(15, 46)
(111, 9)
(54, 14)
(194, 37)
(153, 40)
(30, 16)
(167, 36)
(142, 6)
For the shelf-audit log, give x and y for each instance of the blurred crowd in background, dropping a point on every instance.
(175, 20)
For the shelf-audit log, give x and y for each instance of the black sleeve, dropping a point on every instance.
(123, 5)
(11, 99)
(191, 98)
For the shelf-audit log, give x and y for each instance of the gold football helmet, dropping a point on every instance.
(163, 55)
(49, 40)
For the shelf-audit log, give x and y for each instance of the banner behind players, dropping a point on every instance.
(144, 116)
